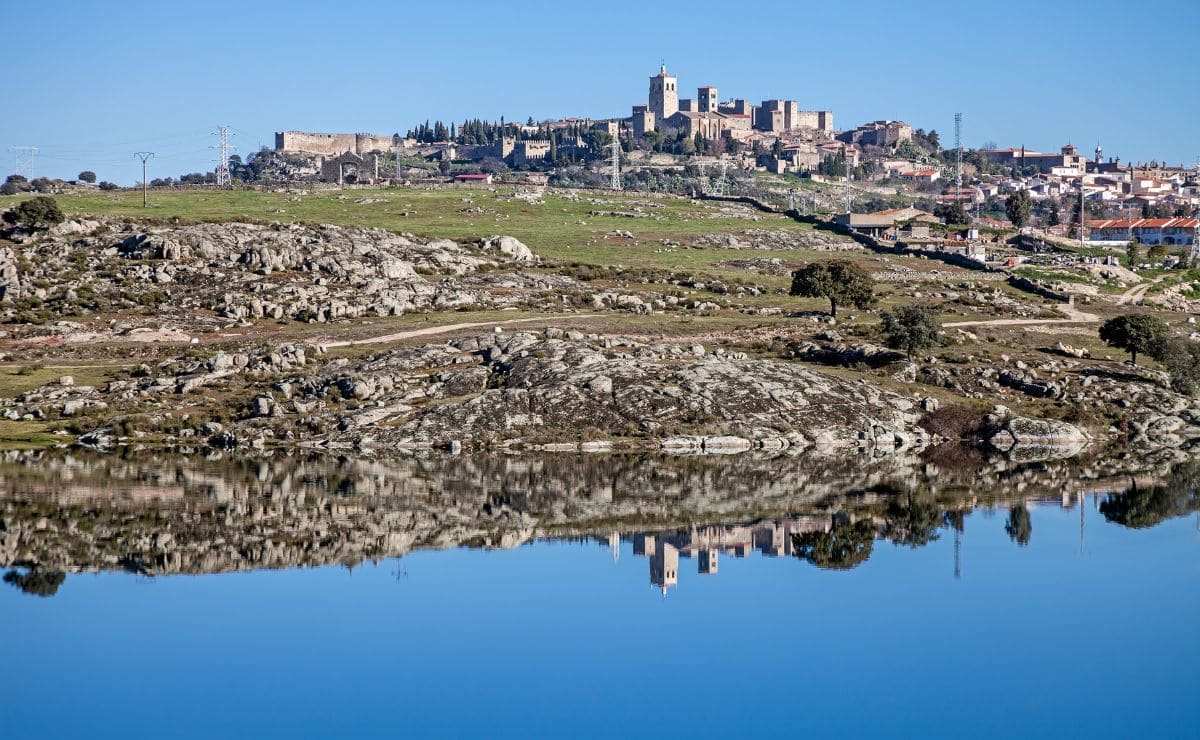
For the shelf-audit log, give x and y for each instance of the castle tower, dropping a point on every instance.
(664, 96)
(706, 99)
(664, 567)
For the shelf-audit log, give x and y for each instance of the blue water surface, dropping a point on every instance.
(1063, 638)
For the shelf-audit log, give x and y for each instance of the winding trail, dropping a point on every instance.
(1136, 293)
(447, 328)
(1074, 316)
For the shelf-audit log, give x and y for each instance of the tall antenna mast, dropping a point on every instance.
(846, 162)
(1082, 217)
(615, 182)
(224, 179)
(958, 153)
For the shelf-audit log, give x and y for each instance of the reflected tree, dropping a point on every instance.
(913, 520)
(1139, 508)
(843, 547)
(36, 581)
(1019, 525)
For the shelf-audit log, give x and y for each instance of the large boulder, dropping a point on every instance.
(1029, 439)
(509, 247)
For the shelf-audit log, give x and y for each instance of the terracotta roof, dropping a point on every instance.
(1147, 223)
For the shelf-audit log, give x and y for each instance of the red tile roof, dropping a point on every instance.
(1147, 223)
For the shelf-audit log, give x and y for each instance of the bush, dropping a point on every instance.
(955, 422)
(35, 213)
(105, 185)
(911, 328)
(1181, 358)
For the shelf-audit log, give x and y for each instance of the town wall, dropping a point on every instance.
(330, 144)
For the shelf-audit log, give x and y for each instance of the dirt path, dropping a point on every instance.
(447, 328)
(1074, 316)
(1135, 294)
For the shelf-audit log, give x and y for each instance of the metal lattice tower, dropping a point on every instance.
(958, 153)
(849, 194)
(24, 160)
(615, 183)
(224, 179)
(721, 184)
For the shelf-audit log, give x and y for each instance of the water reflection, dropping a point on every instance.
(157, 514)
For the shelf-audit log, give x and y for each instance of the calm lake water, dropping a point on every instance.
(595, 598)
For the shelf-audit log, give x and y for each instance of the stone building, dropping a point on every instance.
(885, 134)
(707, 125)
(707, 116)
(1067, 158)
(530, 150)
(664, 95)
(350, 169)
(643, 121)
(817, 120)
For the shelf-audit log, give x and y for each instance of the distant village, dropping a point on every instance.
(703, 144)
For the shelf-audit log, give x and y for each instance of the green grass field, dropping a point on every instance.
(560, 228)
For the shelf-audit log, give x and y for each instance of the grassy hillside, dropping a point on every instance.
(561, 227)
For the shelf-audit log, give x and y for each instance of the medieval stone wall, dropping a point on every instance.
(331, 144)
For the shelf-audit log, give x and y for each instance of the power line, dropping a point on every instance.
(224, 179)
(145, 157)
(615, 183)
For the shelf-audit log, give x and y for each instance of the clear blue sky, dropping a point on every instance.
(91, 82)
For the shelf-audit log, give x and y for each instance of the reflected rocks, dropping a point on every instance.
(156, 513)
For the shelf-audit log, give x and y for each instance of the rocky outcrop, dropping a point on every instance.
(244, 271)
(1026, 439)
(560, 385)
(10, 276)
(509, 247)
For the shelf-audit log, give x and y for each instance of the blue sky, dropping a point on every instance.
(91, 82)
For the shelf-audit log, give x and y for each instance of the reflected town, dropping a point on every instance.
(161, 514)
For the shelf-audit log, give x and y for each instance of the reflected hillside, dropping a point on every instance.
(157, 513)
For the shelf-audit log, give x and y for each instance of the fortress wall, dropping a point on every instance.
(330, 144)
(372, 143)
(325, 144)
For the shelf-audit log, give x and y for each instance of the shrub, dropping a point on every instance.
(1181, 358)
(911, 328)
(955, 422)
(36, 213)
